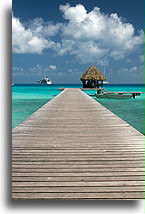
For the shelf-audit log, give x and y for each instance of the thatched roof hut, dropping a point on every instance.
(93, 74)
(92, 77)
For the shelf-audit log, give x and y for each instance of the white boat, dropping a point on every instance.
(106, 82)
(45, 80)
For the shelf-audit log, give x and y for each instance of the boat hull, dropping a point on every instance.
(45, 83)
(114, 96)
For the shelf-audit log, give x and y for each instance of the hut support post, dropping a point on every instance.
(94, 84)
(97, 84)
(84, 83)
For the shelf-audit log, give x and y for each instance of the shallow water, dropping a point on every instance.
(26, 99)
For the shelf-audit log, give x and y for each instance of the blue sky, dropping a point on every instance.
(62, 39)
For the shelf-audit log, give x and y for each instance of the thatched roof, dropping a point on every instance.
(93, 74)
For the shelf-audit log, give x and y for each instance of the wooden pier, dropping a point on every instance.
(74, 148)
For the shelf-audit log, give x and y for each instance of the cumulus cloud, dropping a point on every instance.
(17, 71)
(89, 36)
(61, 73)
(95, 35)
(76, 14)
(67, 46)
(43, 28)
(73, 70)
(32, 39)
(53, 67)
(134, 70)
(37, 70)
(42, 70)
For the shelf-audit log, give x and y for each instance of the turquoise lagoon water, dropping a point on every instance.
(26, 99)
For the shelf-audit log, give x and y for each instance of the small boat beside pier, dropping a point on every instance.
(114, 96)
(103, 93)
(118, 95)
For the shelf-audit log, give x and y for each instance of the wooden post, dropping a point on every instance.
(83, 81)
(94, 84)
(97, 84)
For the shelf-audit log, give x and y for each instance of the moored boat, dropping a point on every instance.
(106, 82)
(114, 96)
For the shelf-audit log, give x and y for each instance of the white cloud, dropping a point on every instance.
(96, 35)
(17, 71)
(77, 14)
(67, 46)
(89, 36)
(141, 57)
(31, 40)
(134, 70)
(38, 70)
(117, 54)
(46, 29)
(73, 70)
(42, 70)
(53, 67)
(61, 73)
(89, 51)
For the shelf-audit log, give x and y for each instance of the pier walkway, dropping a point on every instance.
(74, 148)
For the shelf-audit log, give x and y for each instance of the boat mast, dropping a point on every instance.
(104, 72)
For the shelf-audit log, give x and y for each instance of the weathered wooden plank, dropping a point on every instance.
(78, 163)
(63, 162)
(80, 174)
(75, 158)
(69, 152)
(75, 178)
(81, 184)
(83, 156)
(75, 144)
(57, 149)
(74, 168)
(78, 189)
(112, 195)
